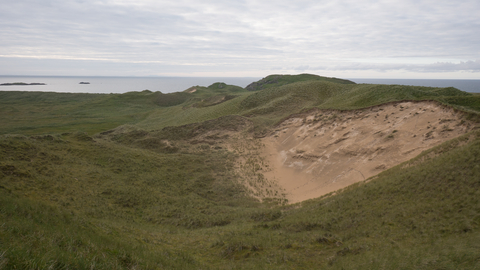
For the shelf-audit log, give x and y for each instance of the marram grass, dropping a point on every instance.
(90, 182)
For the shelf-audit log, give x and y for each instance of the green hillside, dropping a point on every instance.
(146, 180)
(42, 113)
(279, 80)
(267, 107)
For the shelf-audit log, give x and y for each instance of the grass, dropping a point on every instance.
(272, 81)
(123, 176)
(43, 236)
(269, 106)
(43, 112)
(37, 113)
(143, 180)
(117, 193)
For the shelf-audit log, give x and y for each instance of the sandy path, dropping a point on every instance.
(323, 151)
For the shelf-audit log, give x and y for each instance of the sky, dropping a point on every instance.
(424, 39)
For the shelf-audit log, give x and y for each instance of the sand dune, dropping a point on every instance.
(312, 154)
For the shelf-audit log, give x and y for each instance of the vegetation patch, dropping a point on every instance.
(146, 180)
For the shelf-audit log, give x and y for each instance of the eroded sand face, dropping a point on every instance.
(323, 151)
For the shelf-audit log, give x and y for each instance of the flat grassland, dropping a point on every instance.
(192, 180)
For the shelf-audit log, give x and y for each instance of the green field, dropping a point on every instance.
(115, 181)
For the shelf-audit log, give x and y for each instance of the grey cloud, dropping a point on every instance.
(245, 34)
(472, 66)
(301, 68)
(469, 66)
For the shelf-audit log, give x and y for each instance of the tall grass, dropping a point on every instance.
(73, 201)
(43, 112)
(39, 235)
(121, 182)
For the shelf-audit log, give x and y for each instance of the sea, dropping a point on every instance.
(472, 86)
(108, 85)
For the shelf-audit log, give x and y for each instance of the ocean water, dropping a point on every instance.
(115, 84)
(472, 86)
(176, 84)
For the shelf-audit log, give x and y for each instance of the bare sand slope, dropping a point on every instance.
(312, 154)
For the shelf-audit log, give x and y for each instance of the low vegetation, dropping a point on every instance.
(145, 180)
(279, 80)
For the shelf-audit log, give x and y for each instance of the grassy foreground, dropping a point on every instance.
(77, 194)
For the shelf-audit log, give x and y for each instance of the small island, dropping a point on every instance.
(22, 83)
(84, 83)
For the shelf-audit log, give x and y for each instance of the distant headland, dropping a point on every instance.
(22, 83)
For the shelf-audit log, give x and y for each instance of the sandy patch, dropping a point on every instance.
(313, 154)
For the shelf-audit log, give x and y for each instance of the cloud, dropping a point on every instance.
(467, 66)
(246, 35)
(472, 66)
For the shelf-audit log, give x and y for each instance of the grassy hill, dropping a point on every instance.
(279, 80)
(145, 180)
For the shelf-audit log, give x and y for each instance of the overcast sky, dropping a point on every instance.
(241, 38)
